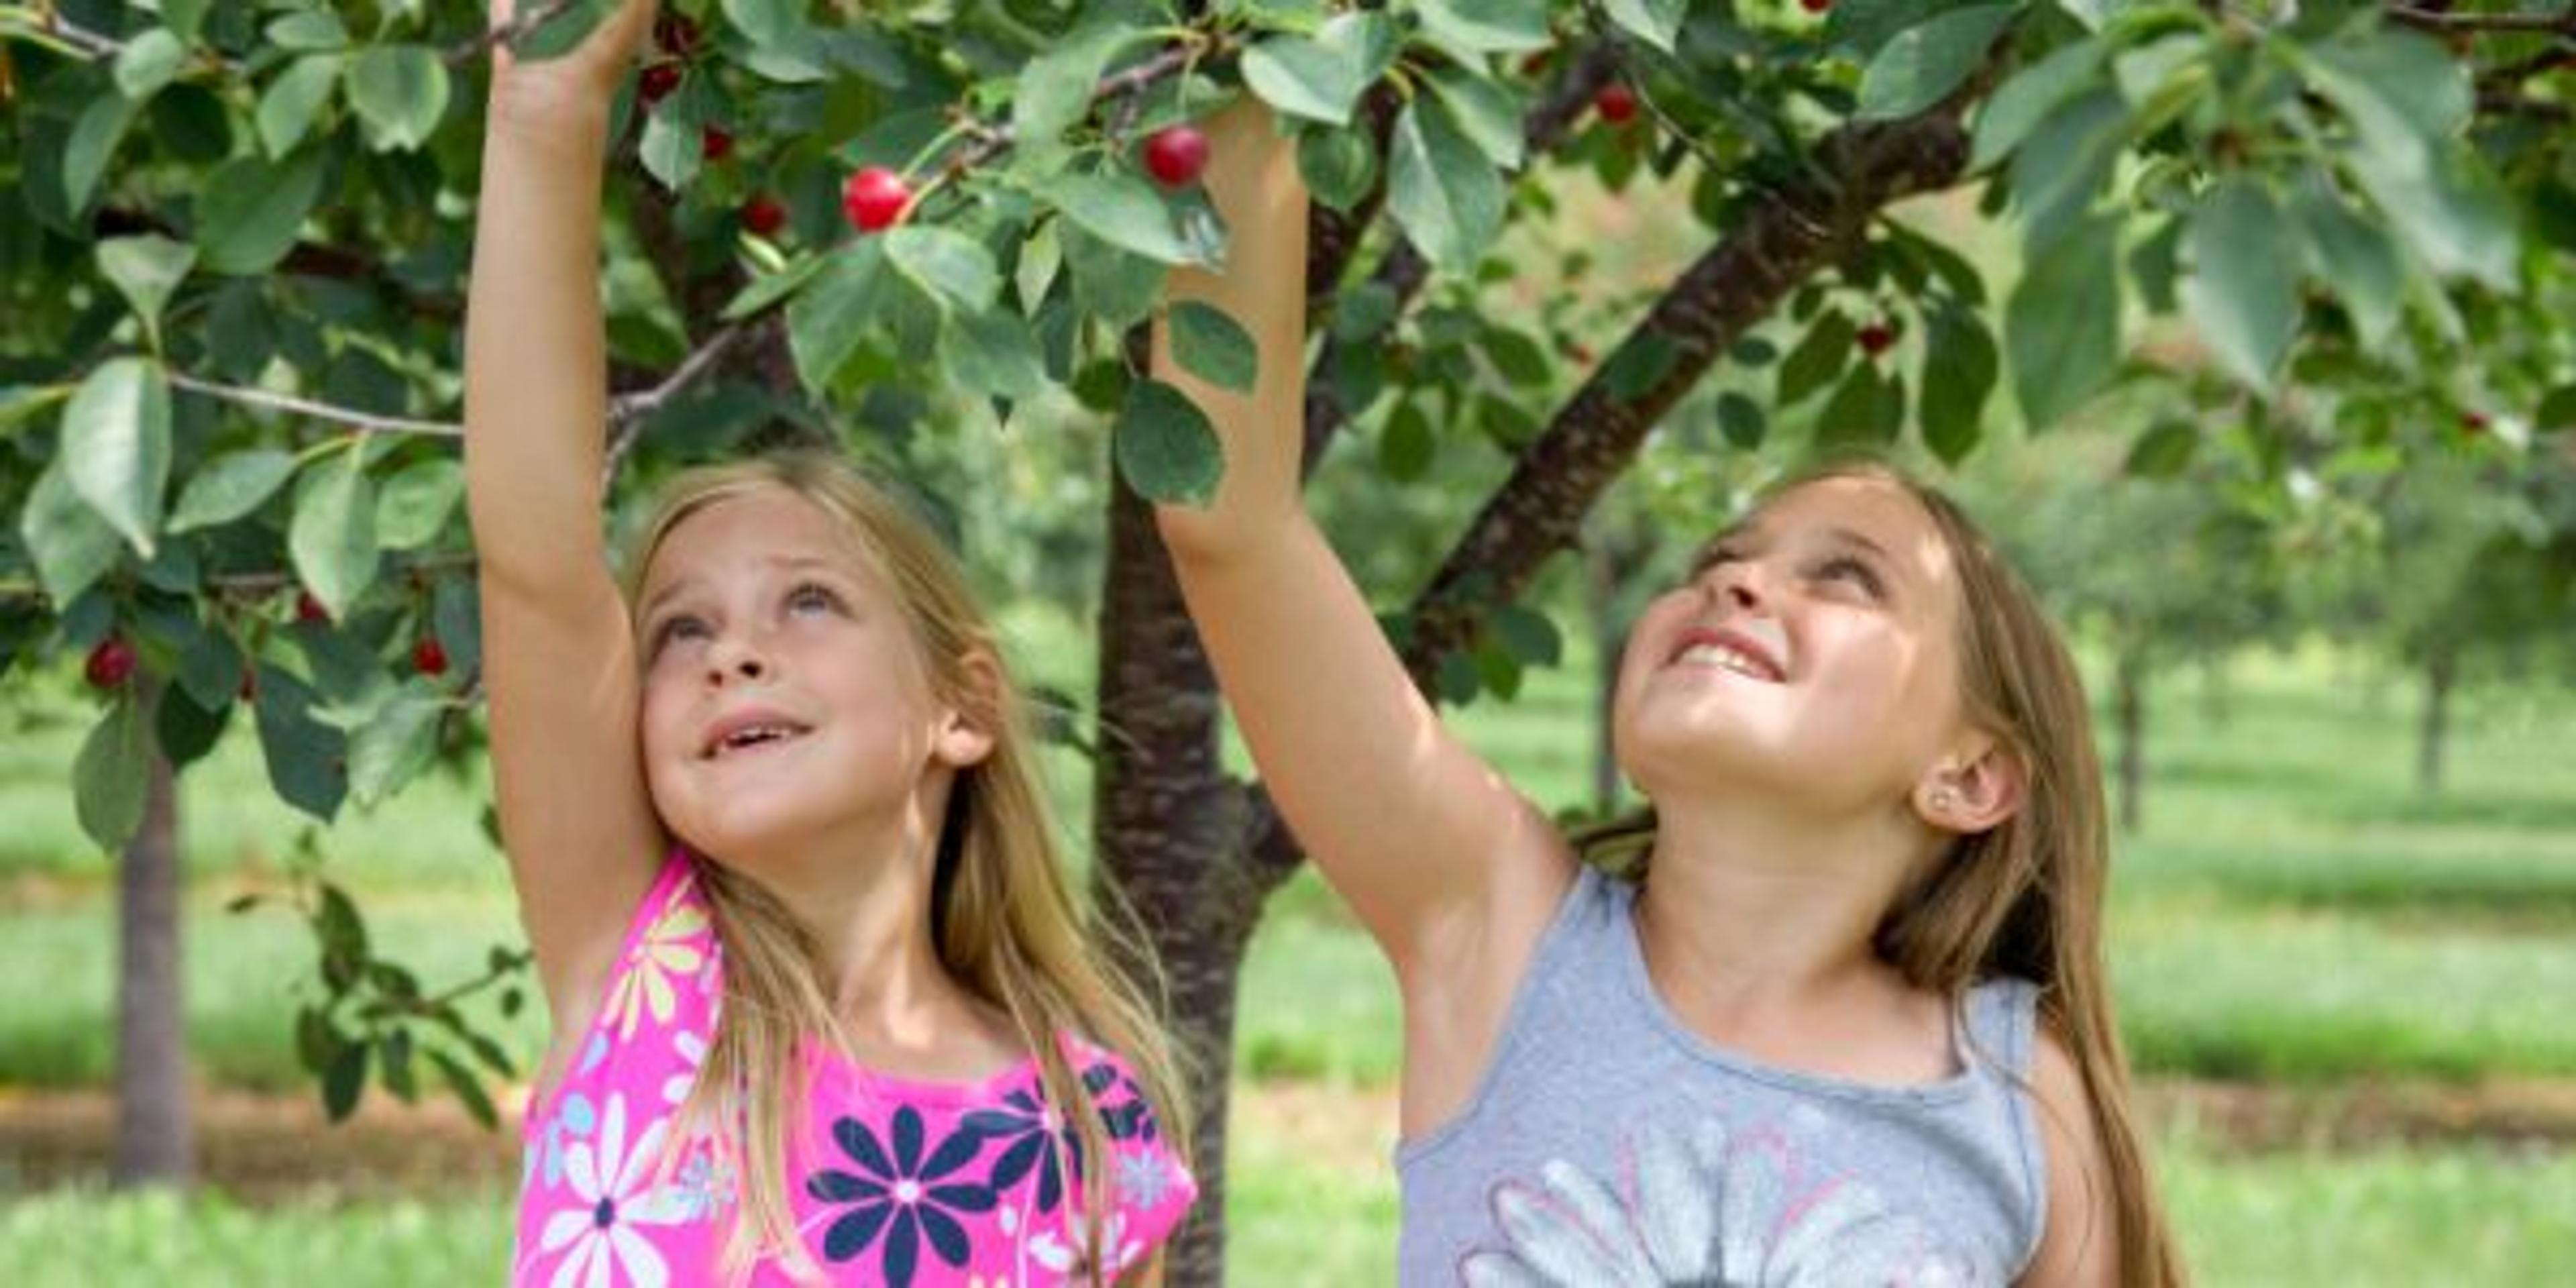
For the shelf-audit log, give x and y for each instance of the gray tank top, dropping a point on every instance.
(1607, 1146)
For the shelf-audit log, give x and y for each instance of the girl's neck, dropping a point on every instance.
(1749, 906)
(863, 893)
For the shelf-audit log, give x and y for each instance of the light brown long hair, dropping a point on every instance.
(2023, 898)
(1004, 921)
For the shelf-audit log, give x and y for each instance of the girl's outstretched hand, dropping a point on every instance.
(584, 77)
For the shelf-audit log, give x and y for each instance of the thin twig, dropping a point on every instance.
(2563, 22)
(317, 410)
(628, 412)
(990, 141)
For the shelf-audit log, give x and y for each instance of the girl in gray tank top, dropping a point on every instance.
(1841, 1019)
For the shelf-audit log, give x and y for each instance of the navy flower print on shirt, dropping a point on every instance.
(900, 1194)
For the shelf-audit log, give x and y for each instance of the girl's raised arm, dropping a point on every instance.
(559, 654)
(1450, 869)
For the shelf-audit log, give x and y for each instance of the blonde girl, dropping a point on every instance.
(1832, 1011)
(824, 1007)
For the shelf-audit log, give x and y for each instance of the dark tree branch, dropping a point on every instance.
(1594, 437)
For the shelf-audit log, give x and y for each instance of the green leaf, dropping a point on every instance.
(770, 288)
(672, 149)
(2393, 85)
(1322, 78)
(1213, 347)
(993, 352)
(1406, 447)
(1339, 165)
(210, 670)
(1443, 192)
(2062, 324)
(1959, 369)
(1925, 62)
(2067, 159)
(564, 32)
(1488, 26)
(1489, 114)
(2450, 207)
(2165, 450)
(148, 62)
(2242, 294)
(1817, 359)
(2355, 259)
(116, 446)
(309, 29)
(1866, 408)
(1740, 419)
(146, 270)
(1054, 90)
(417, 502)
(93, 140)
(393, 748)
(1041, 257)
(1527, 635)
(1657, 22)
(230, 486)
(186, 17)
(955, 269)
(344, 1080)
(1165, 447)
(1519, 358)
(113, 772)
(252, 208)
(827, 320)
(400, 92)
(467, 1087)
(333, 534)
(186, 730)
(1123, 211)
(71, 546)
(766, 22)
(1119, 288)
(306, 766)
(2019, 105)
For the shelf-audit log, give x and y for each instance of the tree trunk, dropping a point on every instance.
(2439, 673)
(154, 1145)
(1171, 835)
(2131, 701)
(1609, 639)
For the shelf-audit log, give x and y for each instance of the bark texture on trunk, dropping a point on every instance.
(155, 1144)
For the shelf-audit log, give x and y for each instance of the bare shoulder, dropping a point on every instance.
(2081, 1245)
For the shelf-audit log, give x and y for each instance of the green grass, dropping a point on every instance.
(2383, 1217)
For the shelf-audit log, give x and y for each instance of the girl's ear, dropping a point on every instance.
(1972, 790)
(966, 731)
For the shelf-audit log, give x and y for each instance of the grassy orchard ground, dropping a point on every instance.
(2349, 1001)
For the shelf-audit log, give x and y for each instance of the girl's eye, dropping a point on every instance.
(676, 629)
(1847, 568)
(812, 598)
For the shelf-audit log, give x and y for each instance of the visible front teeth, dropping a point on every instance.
(757, 734)
(1721, 655)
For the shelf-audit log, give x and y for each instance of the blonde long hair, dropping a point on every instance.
(2025, 897)
(1004, 921)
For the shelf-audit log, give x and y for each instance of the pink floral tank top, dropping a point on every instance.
(892, 1182)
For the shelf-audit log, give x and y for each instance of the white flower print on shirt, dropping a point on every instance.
(597, 1237)
(1706, 1209)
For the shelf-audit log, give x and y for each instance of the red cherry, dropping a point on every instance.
(715, 144)
(1175, 156)
(2473, 423)
(874, 198)
(675, 34)
(763, 216)
(249, 690)
(1617, 103)
(309, 609)
(429, 657)
(1535, 61)
(1815, 6)
(1876, 338)
(657, 82)
(111, 664)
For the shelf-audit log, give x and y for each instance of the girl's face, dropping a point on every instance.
(785, 696)
(1813, 652)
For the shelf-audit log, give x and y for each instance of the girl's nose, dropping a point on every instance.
(734, 658)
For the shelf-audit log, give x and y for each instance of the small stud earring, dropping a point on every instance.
(1941, 798)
